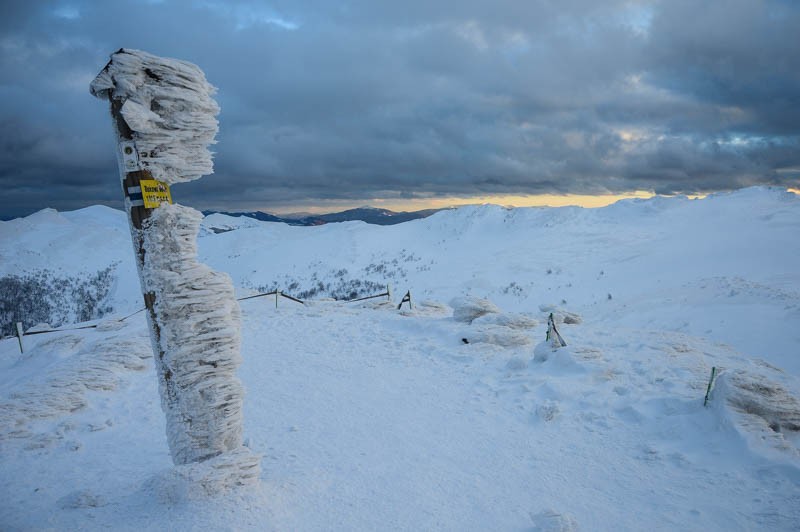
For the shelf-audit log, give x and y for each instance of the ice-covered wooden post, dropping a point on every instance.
(164, 116)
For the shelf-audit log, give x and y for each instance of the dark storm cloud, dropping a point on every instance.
(359, 100)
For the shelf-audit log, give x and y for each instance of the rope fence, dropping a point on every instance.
(277, 293)
(385, 294)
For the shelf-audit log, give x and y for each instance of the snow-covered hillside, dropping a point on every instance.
(374, 418)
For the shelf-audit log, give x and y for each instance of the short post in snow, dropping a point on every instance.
(406, 299)
(20, 334)
(710, 384)
(553, 335)
(388, 292)
(164, 118)
(277, 296)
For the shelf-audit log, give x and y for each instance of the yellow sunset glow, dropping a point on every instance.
(416, 204)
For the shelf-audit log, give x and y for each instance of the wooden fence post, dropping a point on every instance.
(20, 334)
(406, 299)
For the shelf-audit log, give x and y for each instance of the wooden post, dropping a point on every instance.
(131, 173)
(164, 118)
(389, 292)
(553, 336)
(406, 299)
(20, 334)
(277, 296)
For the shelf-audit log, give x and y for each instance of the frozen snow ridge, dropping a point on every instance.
(169, 106)
(766, 413)
(63, 387)
(198, 348)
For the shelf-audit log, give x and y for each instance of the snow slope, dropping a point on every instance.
(372, 418)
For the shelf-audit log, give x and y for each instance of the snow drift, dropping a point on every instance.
(762, 410)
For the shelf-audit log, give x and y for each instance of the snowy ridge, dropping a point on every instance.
(169, 106)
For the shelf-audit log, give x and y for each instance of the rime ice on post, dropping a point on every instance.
(165, 119)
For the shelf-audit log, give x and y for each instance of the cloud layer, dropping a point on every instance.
(364, 99)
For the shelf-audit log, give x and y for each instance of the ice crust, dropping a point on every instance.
(169, 106)
(62, 388)
(197, 346)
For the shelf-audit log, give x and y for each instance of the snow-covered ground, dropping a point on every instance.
(370, 418)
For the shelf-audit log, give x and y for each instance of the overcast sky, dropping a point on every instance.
(326, 101)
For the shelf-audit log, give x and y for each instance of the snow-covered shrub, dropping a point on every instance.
(341, 289)
(514, 289)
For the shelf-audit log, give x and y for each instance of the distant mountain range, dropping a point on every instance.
(370, 215)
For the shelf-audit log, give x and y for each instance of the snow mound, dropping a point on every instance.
(763, 409)
(432, 308)
(560, 315)
(557, 358)
(513, 321)
(468, 308)
(168, 105)
(552, 521)
(198, 480)
(500, 336)
(491, 325)
(81, 499)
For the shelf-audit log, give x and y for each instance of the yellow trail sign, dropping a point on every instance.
(154, 193)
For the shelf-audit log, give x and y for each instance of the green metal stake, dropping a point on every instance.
(710, 383)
